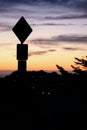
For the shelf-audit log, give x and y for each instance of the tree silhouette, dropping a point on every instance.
(81, 61)
(62, 70)
(76, 69)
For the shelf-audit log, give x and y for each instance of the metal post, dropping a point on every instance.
(22, 56)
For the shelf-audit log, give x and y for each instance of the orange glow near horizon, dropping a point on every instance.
(45, 62)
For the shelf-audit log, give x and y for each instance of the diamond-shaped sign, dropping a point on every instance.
(22, 29)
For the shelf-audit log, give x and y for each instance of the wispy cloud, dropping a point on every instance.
(71, 38)
(56, 40)
(75, 16)
(74, 49)
(42, 12)
(42, 41)
(5, 27)
(40, 52)
(73, 5)
(70, 3)
(53, 24)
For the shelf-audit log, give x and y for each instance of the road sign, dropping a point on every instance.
(22, 29)
(22, 51)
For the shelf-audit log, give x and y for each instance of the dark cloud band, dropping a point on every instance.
(75, 3)
(61, 38)
(71, 38)
(74, 49)
(76, 16)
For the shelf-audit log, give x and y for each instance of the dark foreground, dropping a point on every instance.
(47, 100)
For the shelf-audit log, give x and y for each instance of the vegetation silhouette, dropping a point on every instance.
(43, 97)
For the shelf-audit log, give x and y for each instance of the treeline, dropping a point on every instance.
(44, 83)
(62, 94)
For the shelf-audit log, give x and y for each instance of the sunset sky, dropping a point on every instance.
(59, 33)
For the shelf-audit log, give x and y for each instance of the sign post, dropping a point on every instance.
(22, 31)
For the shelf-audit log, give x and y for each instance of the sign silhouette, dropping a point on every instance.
(22, 52)
(22, 29)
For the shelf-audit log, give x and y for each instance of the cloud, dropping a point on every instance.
(37, 53)
(53, 24)
(5, 27)
(55, 10)
(42, 41)
(71, 38)
(74, 49)
(40, 52)
(35, 9)
(82, 4)
(56, 40)
(60, 2)
(63, 17)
